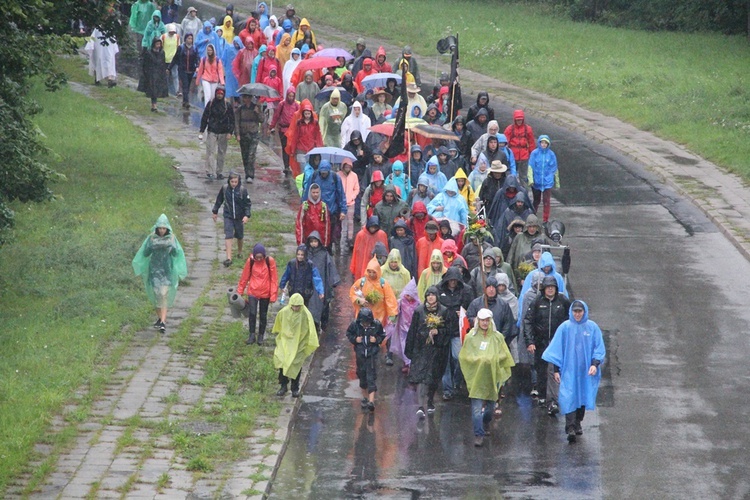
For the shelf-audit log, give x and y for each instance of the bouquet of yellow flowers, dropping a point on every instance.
(478, 228)
(433, 321)
(524, 268)
(373, 297)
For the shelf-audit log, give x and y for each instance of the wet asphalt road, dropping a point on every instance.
(666, 288)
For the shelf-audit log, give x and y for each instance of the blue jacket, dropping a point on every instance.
(286, 27)
(400, 179)
(511, 159)
(331, 190)
(574, 348)
(231, 83)
(454, 207)
(302, 277)
(543, 166)
(202, 39)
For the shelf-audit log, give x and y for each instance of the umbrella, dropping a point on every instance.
(325, 94)
(334, 155)
(383, 128)
(386, 128)
(332, 52)
(411, 122)
(258, 89)
(379, 79)
(317, 63)
(434, 132)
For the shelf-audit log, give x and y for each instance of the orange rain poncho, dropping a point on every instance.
(364, 288)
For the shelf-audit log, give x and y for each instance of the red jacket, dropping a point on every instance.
(416, 225)
(275, 83)
(302, 136)
(364, 245)
(424, 251)
(264, 69)
(258, 37)
(363, 73)
(381, 68)
(283, 115)
(313, 217)
(242, 65)
(260, 279)
(520, 138)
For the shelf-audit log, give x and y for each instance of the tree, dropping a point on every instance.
(35, 31)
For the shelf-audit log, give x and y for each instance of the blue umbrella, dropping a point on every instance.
(334, 155)
(325, 94)
(379, 79)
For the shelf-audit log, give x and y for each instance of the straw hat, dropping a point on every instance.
(379, 92)
(412, 87)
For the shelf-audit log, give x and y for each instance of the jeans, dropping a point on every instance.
(186, 80)
(480, 418)
(452, 377)
(573, 419)
(259, 310)
(248, 148)
(216, 149)
(172, 82)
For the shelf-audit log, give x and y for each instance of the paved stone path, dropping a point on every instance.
(153, 384)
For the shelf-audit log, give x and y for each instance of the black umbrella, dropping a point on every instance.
(258, 89)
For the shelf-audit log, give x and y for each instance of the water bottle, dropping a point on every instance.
(283, 298)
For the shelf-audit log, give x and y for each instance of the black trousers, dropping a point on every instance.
(186, 79)
(258, 307)
(284, 380)
(284, 155)
(367, 372)
(574, 418)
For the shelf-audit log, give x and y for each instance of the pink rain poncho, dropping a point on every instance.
(407, 303)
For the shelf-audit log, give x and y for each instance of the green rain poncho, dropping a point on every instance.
(397, 279)
(161, 263)
(485, 362)
(141, 13)
(296, 337)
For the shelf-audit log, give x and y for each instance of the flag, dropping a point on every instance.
(399, 128)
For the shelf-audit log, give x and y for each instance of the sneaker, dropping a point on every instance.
(364, 402)
(553, 410)
(571, 436)
(210, 176)
(282, 390)
(295, 393)
(179, 94)
(420, 413)
(479, 441)
(541, 401)
(389, 359)
(371, 406)
(534, 393)
(157, 324)
(430, 409)
(162, 327)
(220, 176)
(447, 396)
(487, 426)
(248, 180)
(227, 262)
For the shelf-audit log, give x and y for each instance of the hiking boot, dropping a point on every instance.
(227, 262)
(282, 390)
(420, 413)
(389, 359)
(260, 339)
(571, 436)
(578, 429)
(371, 406)
(295, 393)
(220, 176)
(363, 403)
(447, 396)
(478, 441)
(251, 339)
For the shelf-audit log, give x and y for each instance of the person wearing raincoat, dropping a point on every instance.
(204, 38)
(543, 175)
(521, 141)
(296, 339)
(465, 189)
(399, 180)
(263, 13)
(302, 135)
(328, 273)
(434, 176)
(394, 272)
(191, 23)
(427, 346)
(485, 362)
(153, 81)
(284, 51)
(402, 239)
(407, 303)
(389, 209)
(141, 13)
(364, 244)
(577, 352)
(523, 241)
(291, 63)
(272, 30)
(301, 276)
(161, 264)
(231, 85)
(287, 28)
(302, 32)
(545, 267)
(313, 215)
(366, 334)
(243, 63)
(102, 60)
(432, 275)
(450, 204)
(355, 121)
(374, 292)
(427, 244)
(154, 29)
(330, 118)
(227, 29)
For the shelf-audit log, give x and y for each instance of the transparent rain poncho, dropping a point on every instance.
(161, 263)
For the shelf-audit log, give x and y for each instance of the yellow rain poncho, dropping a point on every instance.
(429, 277)
(227, 29)
(296, 337)
(467, 192)
(397, 279)
(485, 362)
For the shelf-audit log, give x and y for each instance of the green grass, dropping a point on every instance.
(693, 89)
(66, 284)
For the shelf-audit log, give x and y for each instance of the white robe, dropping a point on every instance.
(352, 123)
(102, 58)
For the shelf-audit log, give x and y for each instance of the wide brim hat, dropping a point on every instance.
(412, 87)
(498, 167)
(380, 91)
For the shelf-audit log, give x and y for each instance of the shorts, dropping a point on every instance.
(161, 296)
(233, 228)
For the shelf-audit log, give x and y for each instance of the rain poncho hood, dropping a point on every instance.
(227, 29)
(546, 260)
(573, 348)
(485, 362)
(454, 205)
(160, 261)
(397, 279)
(296, 337)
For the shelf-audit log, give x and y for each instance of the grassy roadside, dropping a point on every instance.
(66, 283)
(693, 89)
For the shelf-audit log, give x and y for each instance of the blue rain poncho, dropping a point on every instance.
(546, 260)
(161, 263)
(573, 348)
(454, 206)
